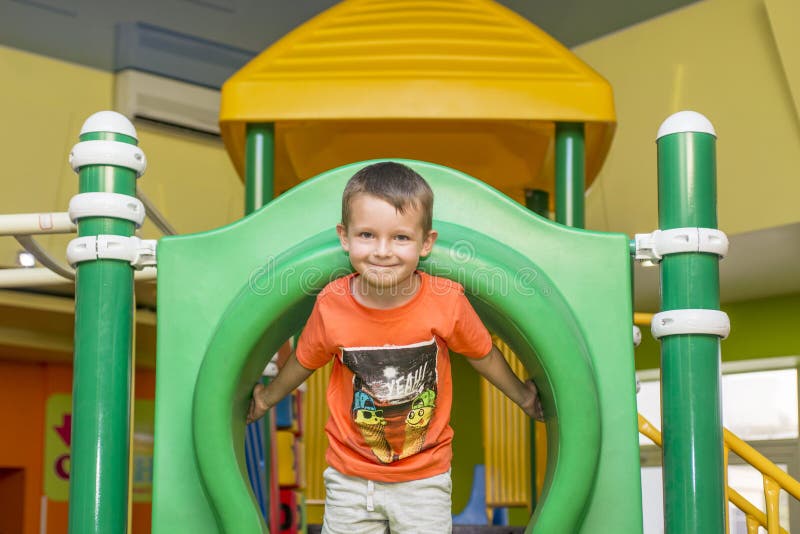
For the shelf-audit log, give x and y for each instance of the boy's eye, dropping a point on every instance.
(365, 235)
(402, 237)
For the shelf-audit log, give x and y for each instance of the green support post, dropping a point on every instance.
(570, 174)
(107, 161)
(570, 185)
(259, 166)
(259, 190)
(694, 496)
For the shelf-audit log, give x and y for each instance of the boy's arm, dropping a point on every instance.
(291, 375)
(494, 368)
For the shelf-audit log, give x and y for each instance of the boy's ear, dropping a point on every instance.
(342, 232)
(427, 244)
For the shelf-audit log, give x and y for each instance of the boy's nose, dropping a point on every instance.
(382, 248)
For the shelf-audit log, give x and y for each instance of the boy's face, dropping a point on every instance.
(384, 245)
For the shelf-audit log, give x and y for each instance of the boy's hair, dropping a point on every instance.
(395, 183)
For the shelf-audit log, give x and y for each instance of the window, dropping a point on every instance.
(758, 405)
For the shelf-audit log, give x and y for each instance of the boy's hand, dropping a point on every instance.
(532, 405)
(258, 405)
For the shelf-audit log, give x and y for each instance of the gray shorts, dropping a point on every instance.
(357, 506)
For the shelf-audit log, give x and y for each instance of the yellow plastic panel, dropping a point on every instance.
(288, 472)
(510, 155)
(388, 61)
(315, 414)
(506, 442)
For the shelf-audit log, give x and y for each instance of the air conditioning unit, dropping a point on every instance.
(146, 96)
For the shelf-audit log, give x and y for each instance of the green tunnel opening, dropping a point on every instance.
(508, 291)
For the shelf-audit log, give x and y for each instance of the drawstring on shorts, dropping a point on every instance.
(370, 496)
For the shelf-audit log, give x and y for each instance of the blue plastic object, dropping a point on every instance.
(475, 511)
(284, 412)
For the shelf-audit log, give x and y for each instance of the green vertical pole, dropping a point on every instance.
(259, 190)
(570, 174)
(101, 391)
(694, 496)
(259, 166)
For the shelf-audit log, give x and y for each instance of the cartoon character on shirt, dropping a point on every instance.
(394, 396)
(417, 421)
(370, 423)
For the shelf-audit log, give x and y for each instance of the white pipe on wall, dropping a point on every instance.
(36, 223)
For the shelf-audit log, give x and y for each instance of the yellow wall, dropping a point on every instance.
(718, 57)
(43, 103)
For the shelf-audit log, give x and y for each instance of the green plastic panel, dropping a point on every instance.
(559, 296)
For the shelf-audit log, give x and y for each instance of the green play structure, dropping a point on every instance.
(560, 297)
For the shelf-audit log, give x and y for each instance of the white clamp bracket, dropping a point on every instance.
(637, 336)
(271, 370)
(658, 244)
(108, 153)
(140, 253)
(698, 321)
(107, 205)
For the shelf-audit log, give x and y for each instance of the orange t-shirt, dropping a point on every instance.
(390, 391)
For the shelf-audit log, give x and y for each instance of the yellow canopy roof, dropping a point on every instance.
(355, 81)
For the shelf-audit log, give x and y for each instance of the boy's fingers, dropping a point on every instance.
(538, 411)
(251, 412)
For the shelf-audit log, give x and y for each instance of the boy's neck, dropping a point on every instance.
(384, 298)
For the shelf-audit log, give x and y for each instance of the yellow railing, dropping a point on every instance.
(642, 319)
(775, 479)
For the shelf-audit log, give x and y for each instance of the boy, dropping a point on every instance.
(389, 327)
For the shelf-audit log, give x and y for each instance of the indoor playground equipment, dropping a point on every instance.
(256, 287)
(232, 295)
(559, 296)
(500, 104)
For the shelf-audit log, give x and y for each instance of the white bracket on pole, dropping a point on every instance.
(107, 205)
(694, 321)
(654, 246)
(140, 253)
(637, 336)
(108, 153)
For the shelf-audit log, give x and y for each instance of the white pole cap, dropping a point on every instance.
(686, 121)
(109, 121)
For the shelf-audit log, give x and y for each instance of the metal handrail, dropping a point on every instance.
(775, 479)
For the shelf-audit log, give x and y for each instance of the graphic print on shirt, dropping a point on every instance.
(395, 396)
